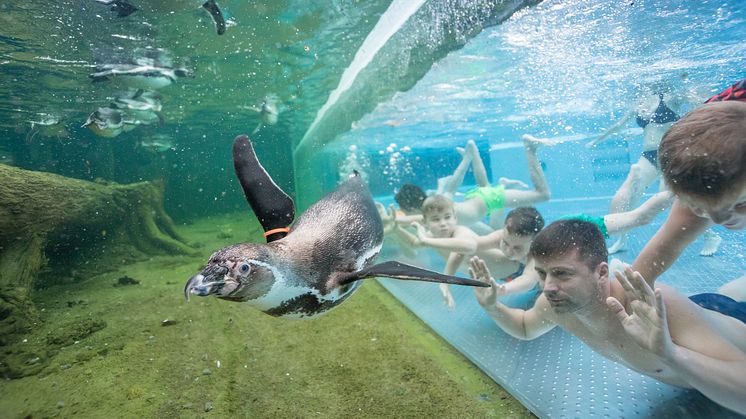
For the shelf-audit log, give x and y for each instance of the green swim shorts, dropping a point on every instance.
(599, 221)
(492, 196)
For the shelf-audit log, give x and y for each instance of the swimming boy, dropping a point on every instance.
(658, 333)
(703, 159)
(441, 232)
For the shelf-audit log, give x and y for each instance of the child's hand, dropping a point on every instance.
(447, 297)
(421, 231)
(486, 297)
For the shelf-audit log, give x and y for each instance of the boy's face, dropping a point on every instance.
(515, 247)
(729, 211)
(440, 222)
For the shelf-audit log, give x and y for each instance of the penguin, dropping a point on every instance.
(216, 15)
(269, 111)
(143, 75)
(122, 7)
(105, 122)
(307, 269)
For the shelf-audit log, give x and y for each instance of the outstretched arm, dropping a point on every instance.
(675, 331)
(463, 240)
(613, 129)
(521, 324)
(680, 229)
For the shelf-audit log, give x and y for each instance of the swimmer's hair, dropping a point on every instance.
(704, 153)
(524, 221)
(436, 203)
(564, 237)
(410, 198)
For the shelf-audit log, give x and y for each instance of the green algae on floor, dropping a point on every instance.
(158, 356)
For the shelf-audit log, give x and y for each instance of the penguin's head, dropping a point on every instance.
(239, 273)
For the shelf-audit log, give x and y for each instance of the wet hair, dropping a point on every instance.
(563, 237)
(704, 153)
(410, 197)
(436, 203)
(524, 221)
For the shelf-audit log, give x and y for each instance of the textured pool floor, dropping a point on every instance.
(556, 375)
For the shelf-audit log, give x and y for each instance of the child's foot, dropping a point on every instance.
(471, 148)
(533, 142)
(512, 183)
(619, 246)
(711, 244)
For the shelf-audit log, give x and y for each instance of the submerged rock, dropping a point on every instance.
(125, 280)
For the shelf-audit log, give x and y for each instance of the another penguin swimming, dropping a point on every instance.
(105, 122)
(269, 112)
(143, 75)
(122, 7)
(216, 15)
(318, 264)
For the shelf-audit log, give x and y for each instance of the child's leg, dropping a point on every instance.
(477, 165)
(735, 289)
(515, 198)
(622, 222)
(641, 175)
(451, 183)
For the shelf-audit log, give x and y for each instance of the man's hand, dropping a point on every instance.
(647, 325)
(486, 297)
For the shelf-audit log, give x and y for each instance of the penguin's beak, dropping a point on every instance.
(211, 280)
(200, 286)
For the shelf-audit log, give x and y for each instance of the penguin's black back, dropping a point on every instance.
(335, 232)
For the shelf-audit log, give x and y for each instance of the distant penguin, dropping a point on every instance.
(269, 111)
(122, 7)
(312, 267)
(105, 122)
(142, 75)
(216, 15)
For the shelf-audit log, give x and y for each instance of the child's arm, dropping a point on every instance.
(463, 240)
(407, 238)
(613, 129)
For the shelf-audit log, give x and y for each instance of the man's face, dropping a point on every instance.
(441, 223)
(569, 284)
(729, 211)
(515, 247)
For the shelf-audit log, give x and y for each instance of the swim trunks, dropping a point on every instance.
(721, 304)
(652, 156)
(598, 221)
(492, 196)
(735, 92)
(515, 274)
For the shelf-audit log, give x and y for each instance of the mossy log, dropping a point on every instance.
(47, 219)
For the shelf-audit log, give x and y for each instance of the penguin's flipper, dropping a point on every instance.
(398, 270)
(272, 206)
(216, 14)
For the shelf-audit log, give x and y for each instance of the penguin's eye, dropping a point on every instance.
(244, 268)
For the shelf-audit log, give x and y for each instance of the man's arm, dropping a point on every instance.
(680, 229)
(521, 324)
(677, 332)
